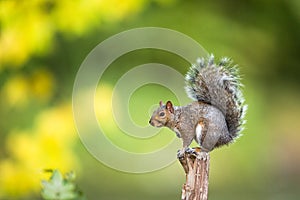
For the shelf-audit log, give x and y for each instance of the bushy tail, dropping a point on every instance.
(218, 84)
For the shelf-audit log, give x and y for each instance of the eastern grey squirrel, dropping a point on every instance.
(216, 116)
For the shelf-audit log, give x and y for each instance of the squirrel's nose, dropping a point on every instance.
(150, 122)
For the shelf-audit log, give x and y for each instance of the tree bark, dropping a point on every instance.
(196, 167)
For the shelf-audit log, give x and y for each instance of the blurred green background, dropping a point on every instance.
(43, 43)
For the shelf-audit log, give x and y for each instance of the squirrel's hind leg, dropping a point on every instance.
(214, 135)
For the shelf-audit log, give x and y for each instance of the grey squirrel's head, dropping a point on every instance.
(162, 114)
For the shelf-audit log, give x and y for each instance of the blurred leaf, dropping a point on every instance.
(59, 187)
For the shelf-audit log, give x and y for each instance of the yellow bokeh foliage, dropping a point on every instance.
(20, 89)
(28, 27)
(48, 145)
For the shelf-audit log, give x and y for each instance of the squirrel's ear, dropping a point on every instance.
(169, 107)
(160, 103)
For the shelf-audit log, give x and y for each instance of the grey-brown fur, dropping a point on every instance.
(218, 84)
(217, 112)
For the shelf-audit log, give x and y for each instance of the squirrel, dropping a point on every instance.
(216, 117)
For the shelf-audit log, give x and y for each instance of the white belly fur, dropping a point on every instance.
(198, 133)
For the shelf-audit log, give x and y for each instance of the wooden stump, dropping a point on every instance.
(196, 167)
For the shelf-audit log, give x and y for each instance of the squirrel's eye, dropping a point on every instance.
(162, 114)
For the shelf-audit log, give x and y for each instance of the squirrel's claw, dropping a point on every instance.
(180, 153)
(191, 151)
(183, 151)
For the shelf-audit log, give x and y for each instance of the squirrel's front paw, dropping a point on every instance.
(191, 151)
(180, 153)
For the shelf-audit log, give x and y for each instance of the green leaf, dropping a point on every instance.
(59, 188)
